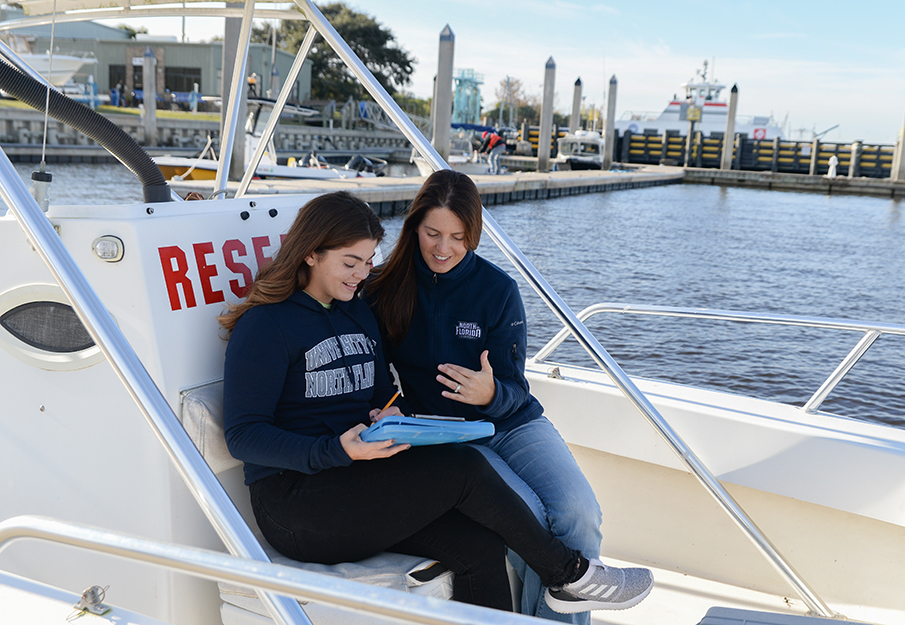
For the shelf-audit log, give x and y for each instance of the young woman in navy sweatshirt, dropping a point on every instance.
(304, 374)
(453, 326)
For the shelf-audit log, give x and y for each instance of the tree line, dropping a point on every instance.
(391, 64)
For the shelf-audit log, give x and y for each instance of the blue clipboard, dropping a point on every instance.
(426, 431)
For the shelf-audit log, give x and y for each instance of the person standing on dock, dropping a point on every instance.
(495, 145)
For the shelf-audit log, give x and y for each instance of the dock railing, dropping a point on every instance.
(871, 332)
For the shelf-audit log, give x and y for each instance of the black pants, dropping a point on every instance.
(443, 502)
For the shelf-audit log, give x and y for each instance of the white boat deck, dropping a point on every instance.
(680, 599)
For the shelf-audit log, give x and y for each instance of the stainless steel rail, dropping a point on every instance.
(199, 478)
(872, 332)
(568, 318)
(269, 129)
(231, 125)
(276, 578)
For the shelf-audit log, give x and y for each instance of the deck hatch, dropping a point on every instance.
(48, 326)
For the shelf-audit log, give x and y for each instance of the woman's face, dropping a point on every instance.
(441, 236)
(335, 274)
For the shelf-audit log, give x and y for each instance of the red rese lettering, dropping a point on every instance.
(174, 263)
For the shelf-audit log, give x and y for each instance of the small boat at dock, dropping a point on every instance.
(581, 150)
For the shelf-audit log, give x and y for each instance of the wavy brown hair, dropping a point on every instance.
(393, 287)
(328, 222)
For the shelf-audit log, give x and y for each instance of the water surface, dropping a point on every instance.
(693, 246)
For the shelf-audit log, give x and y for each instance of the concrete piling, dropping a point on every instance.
(442, 104)
(149, 90)
(854, 163)
(546, 117)
(815, 150)
(609, 138)
(575, 118)
(898, 163)
(232, 30)
(729, 136)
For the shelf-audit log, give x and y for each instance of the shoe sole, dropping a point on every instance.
(573, 607)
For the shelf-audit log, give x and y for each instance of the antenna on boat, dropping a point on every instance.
(41, 179)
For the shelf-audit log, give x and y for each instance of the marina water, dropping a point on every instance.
(693, 246)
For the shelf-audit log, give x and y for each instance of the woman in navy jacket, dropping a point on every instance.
(304, 373)
(453, 326)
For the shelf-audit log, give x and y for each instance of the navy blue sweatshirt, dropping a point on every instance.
(458, 314)
(297, 376)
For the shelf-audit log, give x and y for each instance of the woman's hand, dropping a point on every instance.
(476, 388)
(376, 414)
(357, 449)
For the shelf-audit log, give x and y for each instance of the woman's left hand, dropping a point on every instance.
(376, 414)
(476, 388)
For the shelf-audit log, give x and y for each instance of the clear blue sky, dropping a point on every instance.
(813, 63)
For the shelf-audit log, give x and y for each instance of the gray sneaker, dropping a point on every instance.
(602, 588)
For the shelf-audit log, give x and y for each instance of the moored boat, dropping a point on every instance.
(704, 96)
(580, 150)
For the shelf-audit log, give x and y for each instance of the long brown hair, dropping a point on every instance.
(329, 221)
(394, 288)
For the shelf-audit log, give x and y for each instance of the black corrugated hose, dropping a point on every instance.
(92, 124)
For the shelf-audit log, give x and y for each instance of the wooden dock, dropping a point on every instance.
(840, 185)
(391, 196)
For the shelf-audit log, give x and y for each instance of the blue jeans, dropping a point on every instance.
(536, 463)
(495, 155)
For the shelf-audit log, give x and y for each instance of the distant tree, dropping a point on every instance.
(374, 44)
(413, 105)
(132, 30)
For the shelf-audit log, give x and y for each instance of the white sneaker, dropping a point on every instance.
(602, 588)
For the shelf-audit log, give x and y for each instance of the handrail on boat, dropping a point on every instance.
(197, 475)
(872, 331)
(277, 578)
(570, 321)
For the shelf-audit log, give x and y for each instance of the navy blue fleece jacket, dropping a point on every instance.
(458, 314)
(297, 376)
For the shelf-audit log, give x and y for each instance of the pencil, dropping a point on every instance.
(390, 403)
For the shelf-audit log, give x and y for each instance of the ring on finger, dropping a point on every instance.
(458, 386)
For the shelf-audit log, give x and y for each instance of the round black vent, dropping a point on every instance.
(49, 326)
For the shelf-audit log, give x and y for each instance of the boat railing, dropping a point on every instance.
(571, 321)
(282, 580)
(643, 116)
(203, 484)
(870, 331)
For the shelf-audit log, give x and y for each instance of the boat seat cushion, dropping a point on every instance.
(202, 418)
(241, 605)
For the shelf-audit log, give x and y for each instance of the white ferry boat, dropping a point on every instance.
(703, 95)
(115, 474)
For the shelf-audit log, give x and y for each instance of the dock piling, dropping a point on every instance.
(149, 94)
(609, 139)
(575, 118)
(442, 104)
(729, 136)
(546, 117)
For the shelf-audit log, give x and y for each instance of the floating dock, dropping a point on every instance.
(391, 196)
(840, 185)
